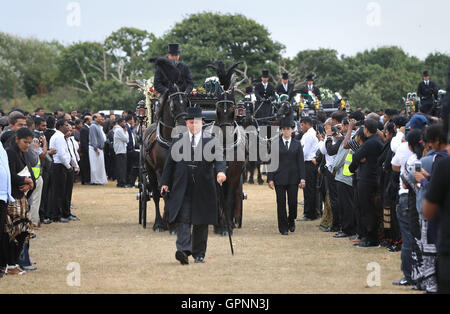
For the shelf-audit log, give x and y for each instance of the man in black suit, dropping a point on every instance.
(428, 92)
(286, 87)
(85, 168)
(264, 92)
(185, 81)
(289, 176)
(193, 199)
(310, 87)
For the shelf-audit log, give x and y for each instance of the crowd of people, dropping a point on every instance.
(41, 156)
(378, 180)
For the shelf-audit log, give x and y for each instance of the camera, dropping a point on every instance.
(38, 135)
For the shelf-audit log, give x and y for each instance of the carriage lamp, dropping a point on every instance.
(141, 110)
(240, 112)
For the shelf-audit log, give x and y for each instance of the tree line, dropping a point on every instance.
(94, 75)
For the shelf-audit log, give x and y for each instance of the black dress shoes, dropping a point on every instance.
(341, 235)
(292, 228)
(200, 260)
(182, 258)
(305, 219)
(402, 282)
(285, 233)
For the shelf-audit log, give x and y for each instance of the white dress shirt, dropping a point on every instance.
(310, 144)
(62, 156)
(288, 142)
(328, 159)
(197, 138)
(265, 85)
(285, 87)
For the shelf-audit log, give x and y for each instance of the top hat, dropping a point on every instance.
(194, 113)
(425, 73)
(287, 122)
(265, 73)
(310, 77)
(285, 76)
(174, 49)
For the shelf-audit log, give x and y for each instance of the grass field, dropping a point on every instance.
(116, 255)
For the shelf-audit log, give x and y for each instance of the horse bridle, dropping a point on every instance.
(181, 96)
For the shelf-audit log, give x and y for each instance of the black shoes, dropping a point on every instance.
(63, 220)
(341, 235)
(182, 258)
(47, 221)
(305, 219)
(73, 218)
(200, 260)
(292, 228)
(402, 282)
(365, 244)
(285, 233)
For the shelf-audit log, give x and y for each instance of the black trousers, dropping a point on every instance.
(310, 190)
(132, 162)
(57, 202)
(443, 274)
(335, 206)
(346, 197)
(69, 188)
(121, 169)
(369, 215)
(3, 249)
(285, 221)
(85, 168)
(44, 208)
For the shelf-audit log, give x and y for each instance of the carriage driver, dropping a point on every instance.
(185, 82)
(193, 197)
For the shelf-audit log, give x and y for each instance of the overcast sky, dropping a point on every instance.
(418, 26)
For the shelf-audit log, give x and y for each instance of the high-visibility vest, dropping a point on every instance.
(348, 161)
(37, 169)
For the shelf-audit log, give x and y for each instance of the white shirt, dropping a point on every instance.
(265, 85)
(400, 159)
(285, 87)
(329, 159)
(62, 156)
(288, 142)
(427, 82)
(396, 141)
(310, 144)
(197, 138)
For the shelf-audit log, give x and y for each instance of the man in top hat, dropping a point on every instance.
(289, 176)
(186, 84)
(192, 200)
(428, 92)
(264, 92)
(286, 87)
(310, 87)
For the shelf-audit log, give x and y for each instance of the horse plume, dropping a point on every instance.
(168, 68)
(223, 74)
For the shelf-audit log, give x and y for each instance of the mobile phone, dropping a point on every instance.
(418, 166)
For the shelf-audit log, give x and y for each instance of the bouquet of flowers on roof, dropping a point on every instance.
(149, 89)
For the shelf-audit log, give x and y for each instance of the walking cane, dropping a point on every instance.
(221, 197)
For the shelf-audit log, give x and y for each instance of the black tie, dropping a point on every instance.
(192, 147)
(287, 145)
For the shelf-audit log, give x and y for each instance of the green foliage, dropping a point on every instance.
(206, 37)
(94, 74)
(365, 96)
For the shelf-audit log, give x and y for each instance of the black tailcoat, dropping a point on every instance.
(185, 82)
(203, 197)
(426, 93)
(290, 92)
(262, 94)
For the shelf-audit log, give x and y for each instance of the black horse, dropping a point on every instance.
(158, 137)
